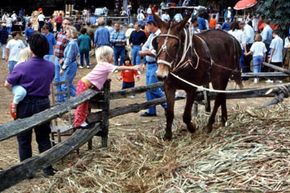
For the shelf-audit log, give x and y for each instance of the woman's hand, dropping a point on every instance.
(61, 71)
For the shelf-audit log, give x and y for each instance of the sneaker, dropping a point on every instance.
(279, 81)
(88, 67)
(81, 67)
(269, 81)
(13, 108)
(84, 124)
(132, 96)
(256, 80)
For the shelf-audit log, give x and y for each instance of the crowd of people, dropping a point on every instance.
(55, 48)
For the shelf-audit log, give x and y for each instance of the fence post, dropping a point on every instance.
(105, 113)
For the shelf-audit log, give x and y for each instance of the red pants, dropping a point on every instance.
(82, 110)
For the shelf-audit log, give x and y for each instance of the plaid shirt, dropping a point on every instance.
(60, 45)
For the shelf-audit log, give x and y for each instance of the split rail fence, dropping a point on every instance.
(99, 123)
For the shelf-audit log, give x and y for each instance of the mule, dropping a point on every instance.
(210, 56)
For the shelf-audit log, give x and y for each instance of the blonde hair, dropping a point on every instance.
(73, 32)
(258, 38)
(24, 54)
(103, 53)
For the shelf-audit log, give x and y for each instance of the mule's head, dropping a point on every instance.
(168, 45)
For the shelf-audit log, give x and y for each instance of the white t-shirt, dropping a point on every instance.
(287, 43)
(240, 36)
(14, 47)
(258, 49)
(277, 49)
(41, 17)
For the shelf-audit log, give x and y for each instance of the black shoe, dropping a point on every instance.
(49, 171)
(146, 114)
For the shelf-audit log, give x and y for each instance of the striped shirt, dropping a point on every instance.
(61, 43)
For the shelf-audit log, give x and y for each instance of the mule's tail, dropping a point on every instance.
(237, 74)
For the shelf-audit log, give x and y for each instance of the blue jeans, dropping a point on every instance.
(156, 93)
(87, 57)
(257, 63)
(11, 65)
(136, 58)
(29, 106)
(55, 61)
(242, 62)
(119, 52)
(128, 85)
(69, 75)
(19, 93)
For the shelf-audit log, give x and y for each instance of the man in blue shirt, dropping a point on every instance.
(29, 31)
(118, 40)
(50, 38)
(102, 34)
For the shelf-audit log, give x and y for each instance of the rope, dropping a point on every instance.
(202, 88)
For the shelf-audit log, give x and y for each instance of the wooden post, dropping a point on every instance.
(105, 113)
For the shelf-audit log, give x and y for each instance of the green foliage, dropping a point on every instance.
(277, 11)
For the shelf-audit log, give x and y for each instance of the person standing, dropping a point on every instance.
(151, 66)
(35, 75)
(58, 21)
(258, 50)
(3, 40)
(276, 53)
(118, 40)
(13, 48)
(69, 67)
(50, 38)
(28, 31)
(61, 40)
(136, 40)
(267, 34)
(287, 50)
(102, 34)
(40, 19)
(84, 43)
(249, 34)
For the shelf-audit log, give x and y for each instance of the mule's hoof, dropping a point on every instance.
(191, 128)
(167, 137)
(209, 129)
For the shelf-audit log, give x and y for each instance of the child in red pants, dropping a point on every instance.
(96, 78)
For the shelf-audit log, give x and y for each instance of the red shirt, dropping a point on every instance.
(128, 75)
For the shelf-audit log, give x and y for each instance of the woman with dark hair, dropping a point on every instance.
(35, 75)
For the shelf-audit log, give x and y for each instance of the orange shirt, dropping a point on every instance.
(212, 23)
(128, 75)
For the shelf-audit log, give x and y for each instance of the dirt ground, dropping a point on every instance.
(8, 148)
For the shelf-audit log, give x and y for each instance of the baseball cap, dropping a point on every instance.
(150, 19)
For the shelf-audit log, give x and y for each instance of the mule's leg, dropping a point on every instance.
(170, 95)
(190, 96)
(211, 119)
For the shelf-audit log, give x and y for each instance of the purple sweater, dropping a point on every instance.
(35, 75)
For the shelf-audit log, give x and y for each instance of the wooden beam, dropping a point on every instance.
(264, 75)
(19, 172)
(13, 128)
(277, 68)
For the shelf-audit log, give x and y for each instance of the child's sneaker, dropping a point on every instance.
(13, 113)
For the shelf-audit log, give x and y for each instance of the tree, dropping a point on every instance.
(277, 11)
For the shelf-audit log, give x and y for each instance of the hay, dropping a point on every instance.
(251, 154)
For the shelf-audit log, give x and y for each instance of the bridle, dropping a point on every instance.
(187, 45)
(164, 48)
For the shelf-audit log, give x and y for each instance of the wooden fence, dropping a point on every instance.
(99, 122)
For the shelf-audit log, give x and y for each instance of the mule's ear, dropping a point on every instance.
(182, 24)
(159, 22)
